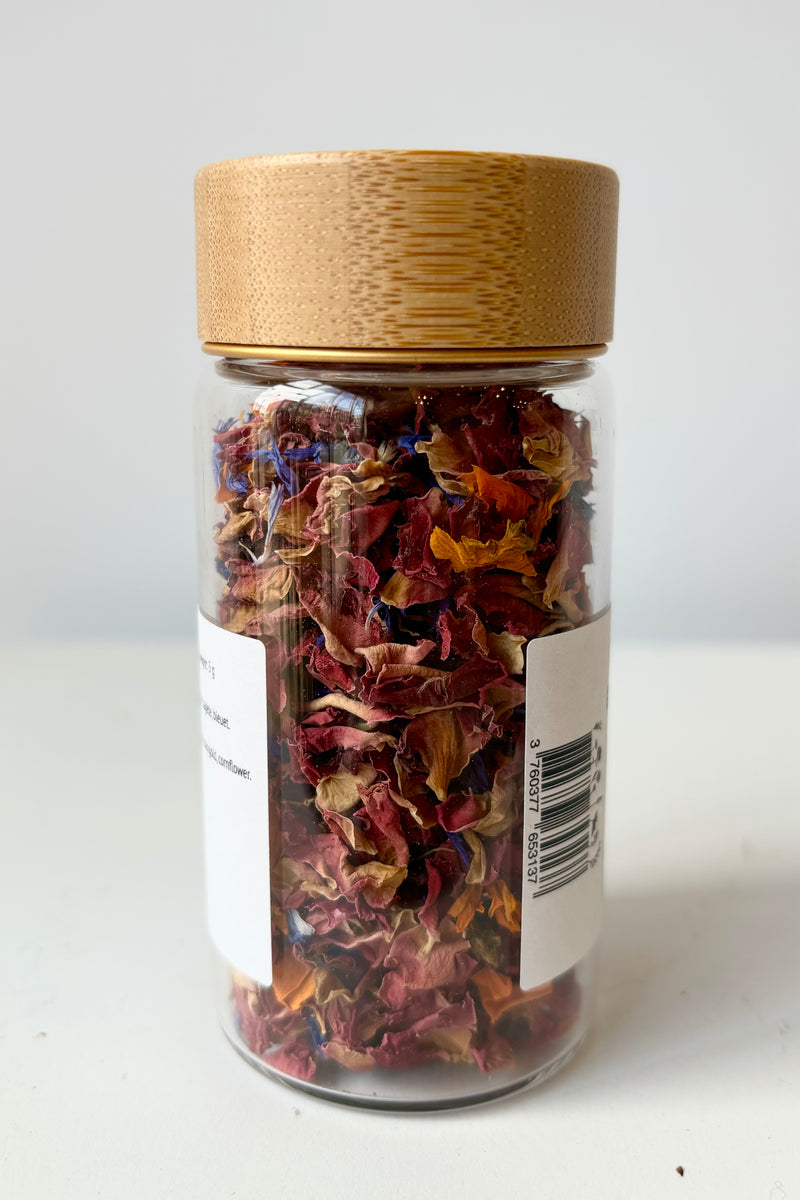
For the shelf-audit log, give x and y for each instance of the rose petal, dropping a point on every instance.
(339, 793)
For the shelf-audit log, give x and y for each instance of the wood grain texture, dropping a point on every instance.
(406, 249)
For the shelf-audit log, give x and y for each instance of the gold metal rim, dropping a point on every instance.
(426, 355)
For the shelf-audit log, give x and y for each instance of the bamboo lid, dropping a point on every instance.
(396, 249)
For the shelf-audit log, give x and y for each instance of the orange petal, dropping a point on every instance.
(498, 994)
(293, 982)
(224, 494)
(511, 500)
(504, 906)
(465, 906)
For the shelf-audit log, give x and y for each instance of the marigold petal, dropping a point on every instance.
(504, 906)
(499, 994)
(509, 553)
(510, 499)
(466, 905)
(293, 982)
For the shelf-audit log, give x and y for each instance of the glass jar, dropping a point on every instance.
(404, 595)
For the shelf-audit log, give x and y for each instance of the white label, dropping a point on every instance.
(565, 725)
(233, 703)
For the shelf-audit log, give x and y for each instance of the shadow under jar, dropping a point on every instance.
(404, 593)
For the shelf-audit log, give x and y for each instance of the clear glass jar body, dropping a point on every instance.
(395, 537)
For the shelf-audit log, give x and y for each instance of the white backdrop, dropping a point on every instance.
(108, 111)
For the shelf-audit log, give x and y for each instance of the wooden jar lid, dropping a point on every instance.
(406, 250)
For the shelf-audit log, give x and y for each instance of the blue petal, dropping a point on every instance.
(313, 1029)
(475, 775)
(409, 441)
(298, 928)
(216, 464)
(458, 842)
(271, 453)
(304, 453)
(239, 484)
(383, 612)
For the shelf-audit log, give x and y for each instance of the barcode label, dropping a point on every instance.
(565, 734)
(565, 817)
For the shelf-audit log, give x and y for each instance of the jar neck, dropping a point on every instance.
(552, 372)
(407, 356)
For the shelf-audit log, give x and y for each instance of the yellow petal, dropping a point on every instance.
(448, 458)
(555, 455)
(344, 703)
(504, 803)
(356, 839)
(465, 906)
(268, 585)
(510, 553)
(477, 868)
(293, 982)
(339, 793)
(504, 906)
(354, 1060)
(507, 647)
(241, 618)
(382, 880)
(440, 743)
(291, 518)
(236, 526)
(453, 1043)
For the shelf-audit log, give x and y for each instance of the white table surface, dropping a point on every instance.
(116, 1082)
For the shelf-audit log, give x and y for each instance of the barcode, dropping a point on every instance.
(565, 814)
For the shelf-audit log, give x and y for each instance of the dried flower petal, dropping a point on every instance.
(262, 586)
(507, 648)
(510, 500)
(448, 458)
(555, 443)
(292, 982)
(504, 906)
(238, 524)
(444, 741)
(466, 905)
(402, 592)
(339, 793)
(500, 995)
(510, 553)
